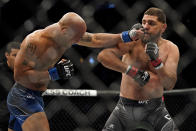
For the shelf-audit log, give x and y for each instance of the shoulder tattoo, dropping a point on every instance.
(31, 48)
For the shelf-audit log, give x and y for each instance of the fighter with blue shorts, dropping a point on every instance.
(36, 64)
(22, 103)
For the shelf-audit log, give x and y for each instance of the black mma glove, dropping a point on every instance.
(128, 36)
(63, 70)
(141, 77)
(152, 50)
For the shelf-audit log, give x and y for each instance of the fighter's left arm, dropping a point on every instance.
(167, 71)
(99, 40)
(103, 40)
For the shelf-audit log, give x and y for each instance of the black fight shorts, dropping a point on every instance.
(131, 115)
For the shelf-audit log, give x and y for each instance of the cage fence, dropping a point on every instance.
(83, 113)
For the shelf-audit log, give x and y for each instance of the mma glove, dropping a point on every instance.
(152, 50)
(141, 77)
(63, 70)
(131, 35)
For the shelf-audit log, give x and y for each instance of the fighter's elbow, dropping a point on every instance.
(170, 83)
(16, 76)
(101, 56)
(104, 57)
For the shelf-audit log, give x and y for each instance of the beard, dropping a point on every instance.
(147, 37)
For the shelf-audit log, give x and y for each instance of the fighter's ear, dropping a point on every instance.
(164, 26)
(7, 54)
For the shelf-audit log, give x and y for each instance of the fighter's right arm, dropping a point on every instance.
(31, 76)
(110, 58)
(25, 73)
(28, 75)
(99, 40)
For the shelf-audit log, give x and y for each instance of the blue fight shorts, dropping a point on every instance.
(22, 103)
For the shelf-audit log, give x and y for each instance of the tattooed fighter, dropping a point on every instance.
(35, 66)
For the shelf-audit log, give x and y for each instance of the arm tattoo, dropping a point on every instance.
(86, 37)
(31, 48)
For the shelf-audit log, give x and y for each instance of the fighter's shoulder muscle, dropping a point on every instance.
(172, 47)
(37, 37)
(173, 51)
(49, 32)
(29, 41)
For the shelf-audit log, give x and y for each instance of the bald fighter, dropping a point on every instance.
(35, 66)
(148, 66)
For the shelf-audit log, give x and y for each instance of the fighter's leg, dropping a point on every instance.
(113, 123)
(163, 120)
(14, 125)
(36, 122)
(26, 107)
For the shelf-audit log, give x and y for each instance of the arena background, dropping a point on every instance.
(20, 17)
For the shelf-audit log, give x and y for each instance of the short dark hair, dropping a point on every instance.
(12, 45)
(157, 12)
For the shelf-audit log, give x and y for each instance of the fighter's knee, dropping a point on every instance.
(36, 122)
(10, 129)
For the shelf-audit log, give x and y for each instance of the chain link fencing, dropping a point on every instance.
(19, 18)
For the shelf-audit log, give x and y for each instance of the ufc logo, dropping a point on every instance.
(168, 117)
(143, 102)
(67, 71)
(156, 50)
(145, 76)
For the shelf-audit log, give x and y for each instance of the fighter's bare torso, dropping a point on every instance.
(138, 58)
(39, 51)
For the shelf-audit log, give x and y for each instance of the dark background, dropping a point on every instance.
(21, 17)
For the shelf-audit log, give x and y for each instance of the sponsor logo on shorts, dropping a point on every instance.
(143, 102)
(30, 97)
(168, 117)
(111, 126)
(116, 108)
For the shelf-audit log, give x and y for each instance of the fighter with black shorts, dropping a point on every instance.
(130, 115)
(148, 66)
